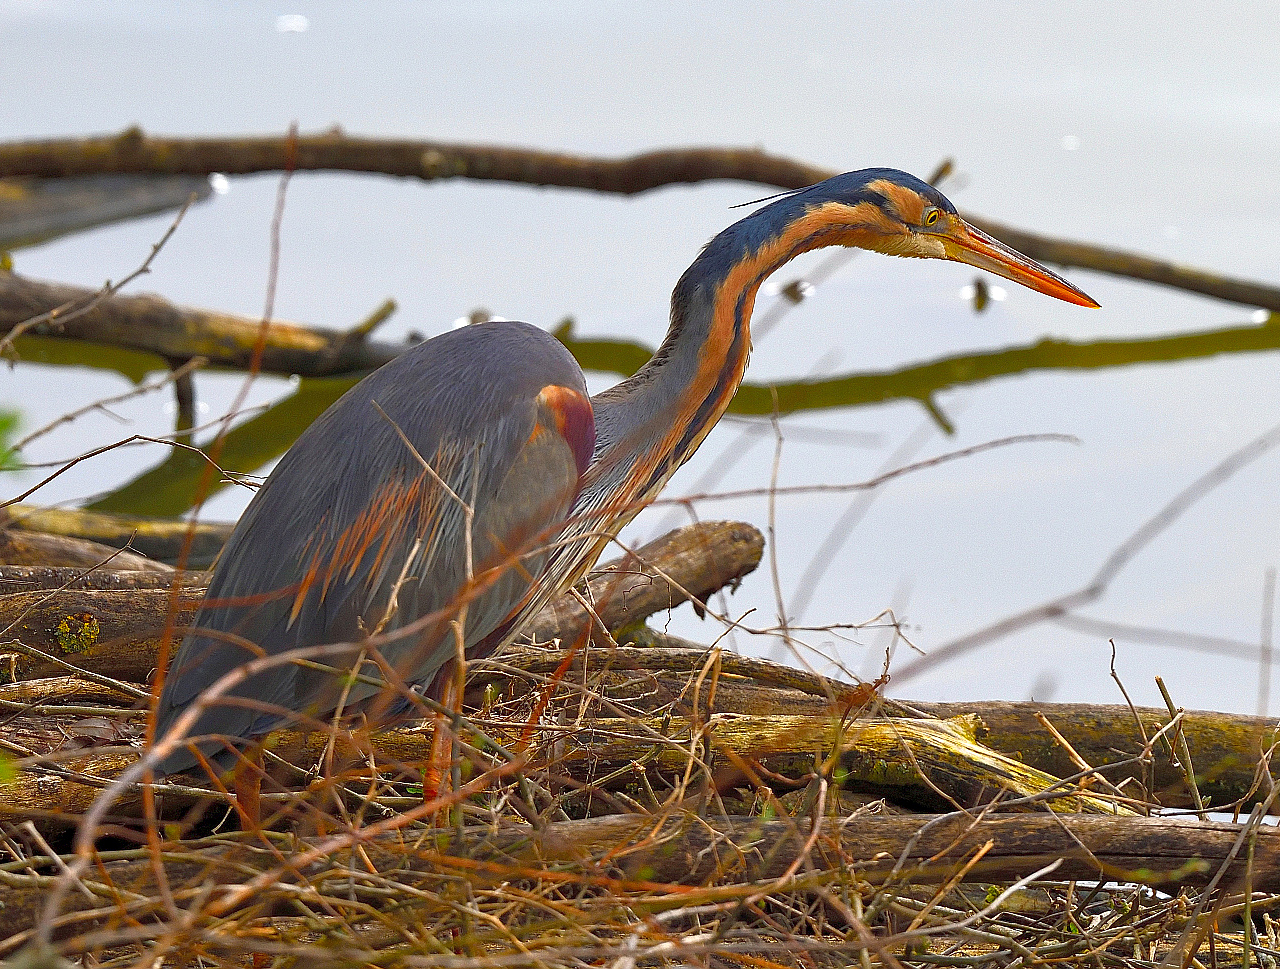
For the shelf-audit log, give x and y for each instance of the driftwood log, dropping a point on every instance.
(777, 718)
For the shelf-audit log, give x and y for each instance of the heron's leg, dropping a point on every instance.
(247, 780)
(435, 779)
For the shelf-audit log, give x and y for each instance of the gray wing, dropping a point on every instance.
(351, 535)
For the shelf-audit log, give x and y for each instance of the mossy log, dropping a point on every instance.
(930, 763)
(117, 632)
(1225, 748)
(629, 853)
(752, 698)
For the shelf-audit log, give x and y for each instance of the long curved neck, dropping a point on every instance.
(648, 425)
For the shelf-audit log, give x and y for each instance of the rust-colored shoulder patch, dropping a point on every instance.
(574, 419)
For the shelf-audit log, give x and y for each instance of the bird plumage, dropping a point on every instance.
(352, 536)
(350, 515)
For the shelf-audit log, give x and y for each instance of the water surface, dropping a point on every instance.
(1123, 125)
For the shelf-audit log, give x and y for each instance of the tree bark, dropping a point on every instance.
(38, 578)
(690, 563)
(1225, 748)
(27, 548)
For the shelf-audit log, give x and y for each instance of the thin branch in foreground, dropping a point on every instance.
(1112, 566)
(878, 480)
(132, 439)
(169, 377)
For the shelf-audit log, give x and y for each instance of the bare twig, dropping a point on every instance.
(1111, 566)
(1184, 753)
(132, 439)
(171, 376)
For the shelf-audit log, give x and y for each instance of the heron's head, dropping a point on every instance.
(895, 213)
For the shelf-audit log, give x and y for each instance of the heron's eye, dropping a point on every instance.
(930, 217)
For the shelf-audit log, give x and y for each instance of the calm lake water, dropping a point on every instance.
(1149, 128)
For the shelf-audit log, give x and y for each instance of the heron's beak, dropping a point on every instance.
(976, 248)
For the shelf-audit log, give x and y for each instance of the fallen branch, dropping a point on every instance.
(689, 563)
(152, 324)
(1225, 747)
(68, 312)
(934, 764)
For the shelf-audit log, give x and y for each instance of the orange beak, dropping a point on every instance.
(976, 248)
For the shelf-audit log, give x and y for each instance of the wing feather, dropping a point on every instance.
(351, 535)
